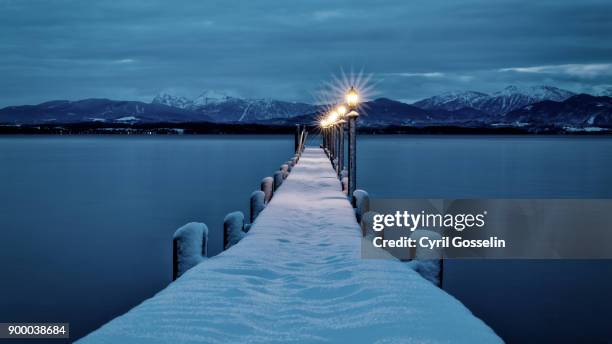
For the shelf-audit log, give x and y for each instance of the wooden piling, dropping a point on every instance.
(361, 203)
(285, 170)
(233, 229)
(278, 179)
(189, 247)
(267, 186)
(257, 204)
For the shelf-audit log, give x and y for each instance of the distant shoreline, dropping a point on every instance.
(224, 128)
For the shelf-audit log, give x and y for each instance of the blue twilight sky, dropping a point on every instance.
(286, 49)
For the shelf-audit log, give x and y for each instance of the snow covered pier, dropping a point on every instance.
(298, 276)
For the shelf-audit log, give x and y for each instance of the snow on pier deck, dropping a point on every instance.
(298, 276)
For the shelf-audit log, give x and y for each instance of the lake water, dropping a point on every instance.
(524, 301)
(86, 222)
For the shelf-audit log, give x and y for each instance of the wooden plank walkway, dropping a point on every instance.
(298, 276)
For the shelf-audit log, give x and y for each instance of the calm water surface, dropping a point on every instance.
(86, 222)
(524, 301)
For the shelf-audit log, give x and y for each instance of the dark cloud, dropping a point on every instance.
(134, 49)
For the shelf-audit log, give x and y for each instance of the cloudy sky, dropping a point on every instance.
(287, 49)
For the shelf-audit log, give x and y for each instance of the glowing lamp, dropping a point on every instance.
(352, 98)
(333, 117)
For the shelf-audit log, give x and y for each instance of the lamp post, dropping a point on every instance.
(342, 112)
(332, 143)
(324, 137)
(352, 100)
(332, 121)
(323, 125)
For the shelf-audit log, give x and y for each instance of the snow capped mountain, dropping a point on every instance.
(384, 112)
(224, 108)
(210, 97)
(252, 110)
(452, 101)
(499, 103)
(603, 91)
(582, 110)
(174, 101)
(98, 110)
(536, 93)
(539, 106)
(205, 98)
(513, 97)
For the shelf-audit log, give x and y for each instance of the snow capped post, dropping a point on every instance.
(344, 181)
(233, 226)
(278, 179)
(362, 203)
(267, 185)
(352, 100)
(285, 170)
(189, 247)
(258, 203)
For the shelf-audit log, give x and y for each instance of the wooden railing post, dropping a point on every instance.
(233, 229)
(267, 186)
(362, 203)
(278, 180)
(257, 204)
(285, 170)
(189, 247)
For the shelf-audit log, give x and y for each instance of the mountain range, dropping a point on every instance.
(582, 110)
(512, 106)
(498, 103)
(97, 110)
(223, 108)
